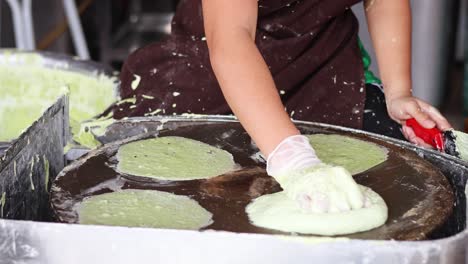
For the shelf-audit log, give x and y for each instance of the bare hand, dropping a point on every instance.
(402, 108)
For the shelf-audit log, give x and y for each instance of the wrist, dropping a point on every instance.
(397, 89)
(389, 97)
(272, 142)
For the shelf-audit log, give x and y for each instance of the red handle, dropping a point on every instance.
(431, 136)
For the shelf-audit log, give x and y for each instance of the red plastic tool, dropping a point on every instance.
(432, 136)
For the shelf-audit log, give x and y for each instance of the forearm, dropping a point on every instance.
(390, 29)
(249, 88)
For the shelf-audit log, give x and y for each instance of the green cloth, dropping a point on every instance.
(366, 60)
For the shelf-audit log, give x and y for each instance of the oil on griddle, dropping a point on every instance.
(418, 195)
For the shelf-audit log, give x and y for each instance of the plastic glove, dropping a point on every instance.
(292, 154)
(317, 187)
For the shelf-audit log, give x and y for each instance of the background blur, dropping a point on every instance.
(114, 28)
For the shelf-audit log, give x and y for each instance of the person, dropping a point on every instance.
(268, 61)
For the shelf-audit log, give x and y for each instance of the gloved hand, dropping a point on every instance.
(317, 187)
(292, 154)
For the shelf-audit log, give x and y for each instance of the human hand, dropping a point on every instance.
(316, 187)
(403, 108)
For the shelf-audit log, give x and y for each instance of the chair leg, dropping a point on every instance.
(76, 29)
(17, 24)
(28, 25)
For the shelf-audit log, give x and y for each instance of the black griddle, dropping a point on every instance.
(419, 197)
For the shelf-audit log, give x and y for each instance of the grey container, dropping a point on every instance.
(55, 61)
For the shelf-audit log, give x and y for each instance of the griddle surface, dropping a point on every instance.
(418, 195)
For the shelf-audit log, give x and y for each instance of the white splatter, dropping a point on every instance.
(136, 82)
(155, 112)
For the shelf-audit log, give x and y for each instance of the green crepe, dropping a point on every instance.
(173, 158)
(143, 208)
(28, 90)
(353, 154)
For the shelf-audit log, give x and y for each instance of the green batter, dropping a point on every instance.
(277, 211)
(353, 154)
(143, 208)
(86, 136)
(462, 144)
(173, 158)
(28, 90)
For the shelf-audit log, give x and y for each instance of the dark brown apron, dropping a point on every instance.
(310, 46)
